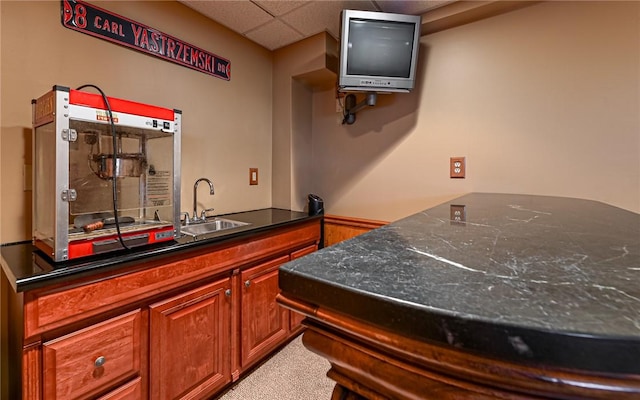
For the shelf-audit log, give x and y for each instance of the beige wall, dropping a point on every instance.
(298, 69)
(226, 125)
(543, 100)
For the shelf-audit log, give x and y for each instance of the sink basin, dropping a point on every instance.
(211, 226)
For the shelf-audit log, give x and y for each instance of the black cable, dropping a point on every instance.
(114, 191)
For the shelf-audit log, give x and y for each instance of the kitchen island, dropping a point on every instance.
(486, 296)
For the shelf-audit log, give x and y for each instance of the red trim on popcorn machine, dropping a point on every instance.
(83, 248)
(93, 100)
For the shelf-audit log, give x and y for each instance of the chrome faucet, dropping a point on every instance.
(195, 218)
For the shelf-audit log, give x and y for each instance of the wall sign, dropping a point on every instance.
(94, 21)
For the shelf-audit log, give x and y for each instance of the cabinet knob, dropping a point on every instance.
(227, 292)
(247, 283)
(99, 362)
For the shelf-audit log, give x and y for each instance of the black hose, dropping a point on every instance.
(114, 191)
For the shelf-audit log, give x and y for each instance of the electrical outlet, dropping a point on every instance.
(253, 176)
(457, 167)
(458, 214)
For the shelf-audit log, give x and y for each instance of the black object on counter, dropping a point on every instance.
(316, 205)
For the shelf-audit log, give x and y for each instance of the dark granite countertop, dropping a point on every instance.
(27, 268)
(530, 279)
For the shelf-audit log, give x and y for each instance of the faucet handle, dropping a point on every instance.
(203, 215)
(187, 221)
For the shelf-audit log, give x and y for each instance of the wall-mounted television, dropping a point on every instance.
(378, 51)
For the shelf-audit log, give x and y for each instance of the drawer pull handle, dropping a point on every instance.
(227, 292)
(99, 362)
(247, 283)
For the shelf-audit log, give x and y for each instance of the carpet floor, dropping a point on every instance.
(293, 373)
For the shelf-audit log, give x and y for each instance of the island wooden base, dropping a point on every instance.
(371, 363)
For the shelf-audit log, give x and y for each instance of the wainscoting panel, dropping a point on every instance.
(338, 228)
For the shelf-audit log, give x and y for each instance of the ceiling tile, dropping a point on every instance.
(410, 7)
(237, 15)
(274, 35)
(280, 7)
(319, 16)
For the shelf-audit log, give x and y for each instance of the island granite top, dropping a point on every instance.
(27, 268)
(522, 278)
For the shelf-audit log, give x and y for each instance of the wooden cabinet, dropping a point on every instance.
(179, 327)
(264, 323)
(95, 359)
(190, 343)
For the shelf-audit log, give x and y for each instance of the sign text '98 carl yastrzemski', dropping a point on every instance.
(94, 21)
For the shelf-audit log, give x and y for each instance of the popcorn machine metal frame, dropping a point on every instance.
(106, 173)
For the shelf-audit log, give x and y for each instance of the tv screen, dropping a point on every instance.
(378, 51)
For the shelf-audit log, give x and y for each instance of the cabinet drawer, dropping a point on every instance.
(94, 359)
(304, 251)
(129, 391)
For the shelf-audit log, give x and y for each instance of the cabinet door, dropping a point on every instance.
(264, 323)
(295, 319)
(95, 359)
(189, 346)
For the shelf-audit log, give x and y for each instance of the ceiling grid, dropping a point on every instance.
(277, 23)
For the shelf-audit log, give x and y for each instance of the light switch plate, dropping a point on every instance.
(253, 176)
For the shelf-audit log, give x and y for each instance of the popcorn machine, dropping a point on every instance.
(106, 173)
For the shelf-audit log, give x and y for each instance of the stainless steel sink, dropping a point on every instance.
(211, 226)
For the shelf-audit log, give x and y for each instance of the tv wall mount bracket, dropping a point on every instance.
(351, 107)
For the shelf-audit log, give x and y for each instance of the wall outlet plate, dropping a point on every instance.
(457, 167)
(458, 214)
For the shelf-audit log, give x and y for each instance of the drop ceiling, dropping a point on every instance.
(277, 23)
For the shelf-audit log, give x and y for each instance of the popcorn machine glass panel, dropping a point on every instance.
(144, 168)
(44, 171)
